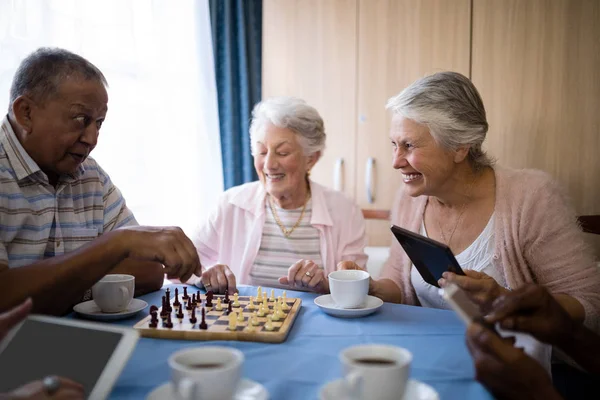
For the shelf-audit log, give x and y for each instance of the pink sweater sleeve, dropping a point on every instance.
(554, 248)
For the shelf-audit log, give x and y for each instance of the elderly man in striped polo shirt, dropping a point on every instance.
(63, 224)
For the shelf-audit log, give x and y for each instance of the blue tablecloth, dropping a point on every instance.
(308, 359)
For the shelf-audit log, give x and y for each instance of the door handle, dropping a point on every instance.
(369, 180)
(338, 181)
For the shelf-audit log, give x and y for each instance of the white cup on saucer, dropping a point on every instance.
(349, 288)
(375, 372)
(211, 372)
(114, 292)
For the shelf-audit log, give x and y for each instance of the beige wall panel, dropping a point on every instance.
(309, 51)
(537, 66)
(400, 41)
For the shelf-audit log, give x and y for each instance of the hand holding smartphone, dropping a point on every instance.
(464, 307)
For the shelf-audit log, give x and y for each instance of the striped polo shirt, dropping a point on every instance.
(277, 253)
(38, 220)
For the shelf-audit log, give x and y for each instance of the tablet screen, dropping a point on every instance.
(41, 348)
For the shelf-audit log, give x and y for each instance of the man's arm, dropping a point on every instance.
(58, 282)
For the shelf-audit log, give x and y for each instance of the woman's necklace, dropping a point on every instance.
(460, 215)
(287, 232)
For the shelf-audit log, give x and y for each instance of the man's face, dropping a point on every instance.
(64, 129)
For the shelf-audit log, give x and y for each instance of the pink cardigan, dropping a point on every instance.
(536, 240)
(233, 232)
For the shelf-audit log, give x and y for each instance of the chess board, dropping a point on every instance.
(218, 322)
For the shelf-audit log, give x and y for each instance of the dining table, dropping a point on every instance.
(299, 367)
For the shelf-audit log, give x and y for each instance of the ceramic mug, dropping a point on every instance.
(114, 292)
(349, 288)
(375, 372)
(211, 372)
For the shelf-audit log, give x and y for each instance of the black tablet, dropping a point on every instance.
(430, 257)
(91, 354)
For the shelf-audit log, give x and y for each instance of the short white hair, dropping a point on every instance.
(450, 106)
(290, 113)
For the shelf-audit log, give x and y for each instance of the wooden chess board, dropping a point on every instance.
(218, 322)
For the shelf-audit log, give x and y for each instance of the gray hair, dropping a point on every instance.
(450, 106)
(40, 74)
(290, 113)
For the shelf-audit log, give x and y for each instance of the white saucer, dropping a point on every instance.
(327, 304)
(415, 390)
(247, 390)
(90, 310)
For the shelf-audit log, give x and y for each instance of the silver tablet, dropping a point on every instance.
(89, 353)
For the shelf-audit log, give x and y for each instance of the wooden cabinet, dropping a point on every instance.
(536, 64)
(398, 42)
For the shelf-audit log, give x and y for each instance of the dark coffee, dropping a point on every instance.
(205, 366)
(375, 361)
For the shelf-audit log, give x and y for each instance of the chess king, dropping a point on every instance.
(64, 224)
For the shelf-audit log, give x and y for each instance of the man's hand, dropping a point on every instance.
(533, 310)
(11, 318)
(507, 371)
(308, 275)
(482, 289)
(67, 390)
(167, 245)
(219, 278)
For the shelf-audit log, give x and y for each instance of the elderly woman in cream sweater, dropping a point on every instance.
(506, 227)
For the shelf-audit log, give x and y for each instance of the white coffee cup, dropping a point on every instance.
(114, 292)
(375, 372)
(211, 372)
(349, 288)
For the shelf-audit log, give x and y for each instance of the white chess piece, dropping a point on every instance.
(232, 321)
(269, 323)
(219, 307)
(254, 321)
(240, 316)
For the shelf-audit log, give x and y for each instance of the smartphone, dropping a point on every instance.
(464, 307)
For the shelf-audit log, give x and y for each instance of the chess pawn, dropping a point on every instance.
(272, 298)
(251, 304)
(259, 294)
(219, 307)
(284, 305)
(254, 321)
(232, 321)
(261, 311)
(236, 300)
(280, 312)
(269, 324)
(275, 316)
(240, 316)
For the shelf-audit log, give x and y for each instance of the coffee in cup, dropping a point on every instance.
(210, 372)
(114, 292)
(349, 288)
(375, 372)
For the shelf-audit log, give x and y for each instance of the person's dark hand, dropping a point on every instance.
(219, 278)
(532, 309)
(481, 288)
(307, 275)
(505, 370)
(167, 245)
(36, 390)
(12, 317)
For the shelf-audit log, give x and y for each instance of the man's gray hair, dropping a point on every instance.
(290, 113)
(40, 74)
(450, 106)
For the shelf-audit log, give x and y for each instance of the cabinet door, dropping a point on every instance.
(537, 66)
(399, 41)
(309, 51)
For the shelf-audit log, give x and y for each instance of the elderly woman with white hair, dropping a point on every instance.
(506, 227)
(284, 230)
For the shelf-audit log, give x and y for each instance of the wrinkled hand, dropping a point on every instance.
(505, 370)
(482, 289)
(308, 275)
(167, 245)
(533, 310)
(219, 278)
(67, 390)
(12, 317)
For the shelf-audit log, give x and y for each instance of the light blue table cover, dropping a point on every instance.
(297, 368)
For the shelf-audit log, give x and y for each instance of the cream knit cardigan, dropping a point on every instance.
(536, 235)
